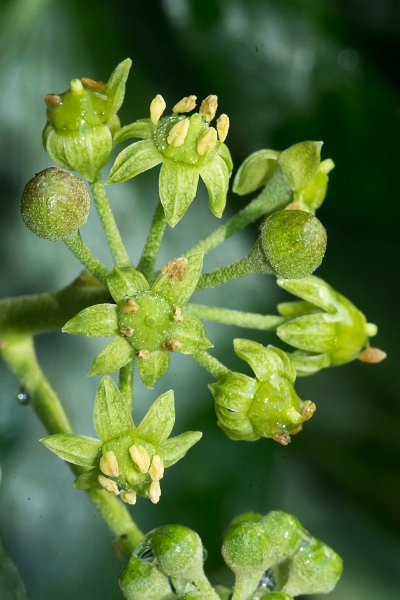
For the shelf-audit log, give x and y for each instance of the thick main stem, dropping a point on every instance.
(152, 246)
(86, 257)
(19, 354)
(276, 195)
(239, 318)
(110, 227)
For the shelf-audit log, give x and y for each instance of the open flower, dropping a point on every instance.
(187, 147)
(126, 460)
(267, 406)
(326, 328)
(147, 320)
(82, 121)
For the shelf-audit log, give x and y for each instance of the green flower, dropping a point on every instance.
(127, 461)
(81, 122)
(301, 164)
(187, 147)
(327, 329)
(148, 321)
(267, 406)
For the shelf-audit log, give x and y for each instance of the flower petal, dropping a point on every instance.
(126, 282)
(143, 128)
(98, 320)
(312, 289)
(111, 414)
(116, 86)
(178, 279)
(224, 153)
(315, 333)
(175, 448)
(135, 159)
(191, 336)
(255, 171)
(114, 356)
(266, 361)
(159, 420)
(76, 449)
(153, 366)
(178, 186)
(215, 175)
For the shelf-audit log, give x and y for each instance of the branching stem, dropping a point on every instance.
(211, 364)
(153, 243)
(86, 257)
(234, 317)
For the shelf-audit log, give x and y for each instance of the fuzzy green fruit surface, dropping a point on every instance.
(293, 242)
(55, 204)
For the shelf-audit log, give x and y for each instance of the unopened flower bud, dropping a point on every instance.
(293, 243)
(55, 204)
(141, 580)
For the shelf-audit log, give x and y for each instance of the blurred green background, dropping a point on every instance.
(284, 71)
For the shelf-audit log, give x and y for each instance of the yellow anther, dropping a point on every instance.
(156, 470)
(157, 107)
(144, 354)
(155, 491)
(372, 355)
(177, 133)
(126, 331)
(109, 464)
(208, 107)
(175, 268)
(187, 104)
(208, 142)
(53, 100)
(308, 410)
(130, 306)
(177, 314)
(140, 457)
(128, 497)
(108, 484)
(223, 126)
(172, 344)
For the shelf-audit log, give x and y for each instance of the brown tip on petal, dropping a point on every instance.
(87, 82)
(308, 410)
(53, 100)
(281, 438)
(372, 355)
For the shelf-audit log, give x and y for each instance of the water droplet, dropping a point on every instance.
(266, 581)
(23, 397)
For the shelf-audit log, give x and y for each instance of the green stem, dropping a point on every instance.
(86, 257)
(126, 383)
(41, 313)
(19, 354)
(275, 195)
(211, 364)
(110, 227)
(234, 317)
(245, 586)
(153, 242)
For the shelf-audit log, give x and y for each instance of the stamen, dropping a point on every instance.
(140, 457)
(156, 470)
(223, 126)
(130, 306)
(177, 314)
(88, 82)
(281, 438)
(129, 497)
(308, 410)
(187, 104)
(155, 491)
(108, 484)
(208, 142)
(177, 133)
(109, 464)
(172, 344)
(157, 107)
(372, 355)
(208, 107)
(144, 354)
(53, 100)
(126, 331)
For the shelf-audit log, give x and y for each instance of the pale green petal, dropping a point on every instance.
(159, 420)
(87, 480)
(311, 289)
(308, 364)
(255, 171)
(300, 163)
(178, 186)
(135, 159)
(153, 367)
(191, 336)
(314, 333)
(265, 361)
(178, 279)
(116, 86)
(125, 282)
(111, 416)
(76, 449)
(215, 175)
(113, 357)
(175, 448)
(98, 320)
(224, 153)
(143, 128)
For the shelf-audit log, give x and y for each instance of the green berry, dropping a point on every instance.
(55, 204)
